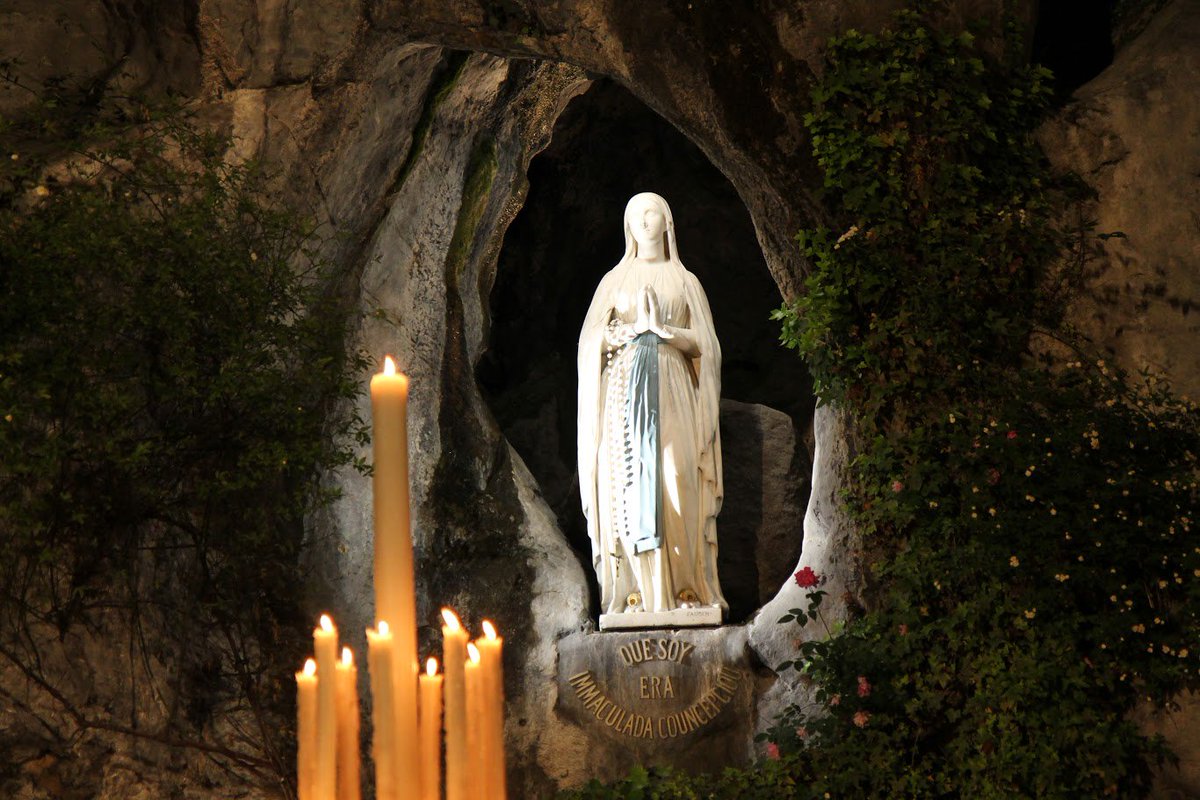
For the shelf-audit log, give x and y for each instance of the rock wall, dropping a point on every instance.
(415, 157)
(1133, 134)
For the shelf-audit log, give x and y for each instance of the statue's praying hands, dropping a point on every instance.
(649, 314)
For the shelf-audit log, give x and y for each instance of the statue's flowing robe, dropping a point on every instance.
(612, 437)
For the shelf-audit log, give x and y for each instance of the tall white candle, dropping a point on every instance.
(431, 732)
(380, 657)
(477, 781)
(348, 775)
(454, 655)
(395, 587)
(325, 647)
(492, 671)
(306, 728)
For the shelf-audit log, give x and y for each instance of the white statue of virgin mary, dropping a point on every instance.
(649, 443)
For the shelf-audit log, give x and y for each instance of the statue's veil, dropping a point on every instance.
(672, 252)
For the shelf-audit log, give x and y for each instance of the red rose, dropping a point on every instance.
(806, 578)
(897, 486)
(864, 686)
(1012, 434)
(772, 751)
(993, 476)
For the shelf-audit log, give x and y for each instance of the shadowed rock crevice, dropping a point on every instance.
(447, 74)
(473, 533)
(1074, 39)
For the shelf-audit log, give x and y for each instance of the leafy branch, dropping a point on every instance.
(174, 381)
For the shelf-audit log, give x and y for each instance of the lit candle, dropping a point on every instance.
(348, 778)
(490, 651)
(477, 782)
(395, 590)
(306, 727)
(454, 655)
(431, 730)
(380, 657)
(325, 648)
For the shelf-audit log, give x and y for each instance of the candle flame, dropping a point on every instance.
(310, 667)
(326, 623)
(489, 630)
(382, 627)
(347, 656)
(451, 619)
(473, 652)
(389, 366)
(431, 667)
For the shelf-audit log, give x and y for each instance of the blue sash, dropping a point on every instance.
(641, 412)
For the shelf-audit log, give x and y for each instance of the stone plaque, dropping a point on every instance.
(659, 697)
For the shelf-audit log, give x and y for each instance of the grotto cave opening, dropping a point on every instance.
(607, 146)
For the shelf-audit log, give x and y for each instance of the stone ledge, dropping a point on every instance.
(678, 618)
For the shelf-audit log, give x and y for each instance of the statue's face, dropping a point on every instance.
(646, 222)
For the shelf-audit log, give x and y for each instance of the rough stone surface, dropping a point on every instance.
(734, 79)
(1133, 133)
(416, 159)
(126, 46)
(544, 751)
(1181, 730)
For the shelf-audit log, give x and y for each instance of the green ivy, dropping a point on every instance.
(1031, 509)
(173, 382)
(945, 207)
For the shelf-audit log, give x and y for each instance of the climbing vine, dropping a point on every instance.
(1030, 507)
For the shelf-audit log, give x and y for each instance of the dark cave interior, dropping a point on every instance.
(1074, 39)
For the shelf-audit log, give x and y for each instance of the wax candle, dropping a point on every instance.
(491, 666)
(325, 767)
(431, 732)
(473, 679)
(380, 661)
(395, 592)
(306, 727)
(348, 777)
(454, 654)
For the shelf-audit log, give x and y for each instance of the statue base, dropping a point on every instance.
(705, 616)
(684, 698)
